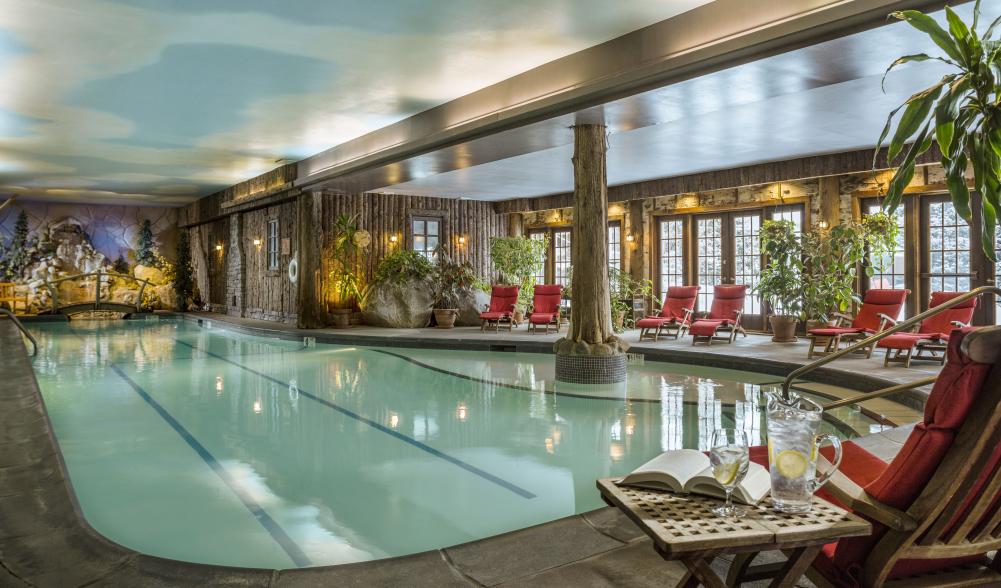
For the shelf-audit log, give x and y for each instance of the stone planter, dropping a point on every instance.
(783, 328)
(444, 318)
(341, 317)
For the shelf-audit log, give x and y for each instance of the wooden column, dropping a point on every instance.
(309, 239)
(636, 249)
(516, 225)
(591, 316)
(830, 200)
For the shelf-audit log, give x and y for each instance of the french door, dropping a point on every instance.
(728, 251)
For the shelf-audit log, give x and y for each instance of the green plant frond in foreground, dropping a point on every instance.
(961, 112)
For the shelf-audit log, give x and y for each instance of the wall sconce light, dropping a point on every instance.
(218, 247)
(257, 242)
(462, 240)
(392, 238)
(824, 224)
(630, 238)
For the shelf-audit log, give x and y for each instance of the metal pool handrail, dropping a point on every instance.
(881, 393)
(20, 327)
(901, 326)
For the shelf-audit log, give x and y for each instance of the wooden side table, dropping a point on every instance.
(684, 528)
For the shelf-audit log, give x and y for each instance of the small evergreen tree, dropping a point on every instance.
(183, 282)
(18, 258)
(146, 251)
(120, 266)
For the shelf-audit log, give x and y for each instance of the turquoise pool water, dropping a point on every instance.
(204, 445)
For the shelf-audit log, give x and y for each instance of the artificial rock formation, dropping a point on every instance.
(402, 306)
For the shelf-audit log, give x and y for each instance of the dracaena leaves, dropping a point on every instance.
(962, 112)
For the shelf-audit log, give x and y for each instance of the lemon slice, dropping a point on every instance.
(791, 463)
(726, 473)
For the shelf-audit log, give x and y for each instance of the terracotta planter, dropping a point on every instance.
(445, 317)
(783, 328)
(519, 316)
(341, 317)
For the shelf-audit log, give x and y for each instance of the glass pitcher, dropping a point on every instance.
(792, 451)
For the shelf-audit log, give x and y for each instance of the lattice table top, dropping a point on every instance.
(680, 524)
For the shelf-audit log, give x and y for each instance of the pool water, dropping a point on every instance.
(204, 445)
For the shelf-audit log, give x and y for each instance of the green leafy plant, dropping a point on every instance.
(184, 283)
(403, 266)
(347, 281)
(962, 112)
(518, 259)
(781, 281)
(832, 260)
(450, 280)
(146, 246)
(623, 289)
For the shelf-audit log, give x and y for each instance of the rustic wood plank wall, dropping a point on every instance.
(270, 294)
(384, 215)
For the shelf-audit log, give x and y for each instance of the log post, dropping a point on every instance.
(310, 304)
(590, 353)
(830, 200)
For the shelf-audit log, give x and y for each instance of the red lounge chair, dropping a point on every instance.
(723, 317)
(933, 333)
(936, 507)
(501, 308)
(545, 307)
(878, 308)
(675, 316)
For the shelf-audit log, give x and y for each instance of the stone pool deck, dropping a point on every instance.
(45, 541)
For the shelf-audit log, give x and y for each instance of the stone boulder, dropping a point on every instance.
(470, 307)
(144, 272)
(401, 306)
(167, 296)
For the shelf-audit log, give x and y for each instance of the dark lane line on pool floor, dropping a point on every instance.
(270, 525)
(382, 428)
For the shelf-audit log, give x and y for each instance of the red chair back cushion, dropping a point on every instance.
(503, 298)
(727, 300)
(546, 298)
(942, 322)
(678, 299)
(876, 301)
(954, 394)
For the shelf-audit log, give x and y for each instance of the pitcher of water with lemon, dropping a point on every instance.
(793, 423)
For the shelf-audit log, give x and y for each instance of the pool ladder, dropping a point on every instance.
(20, 327)
(898, 327)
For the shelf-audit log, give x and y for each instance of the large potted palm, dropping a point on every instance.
(347, 281)
(519, 259)
(781, 281)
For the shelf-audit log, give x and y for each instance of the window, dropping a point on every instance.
(561, 256)
(272, 244)
(890, 271)
(792, 213)
(615, 245)
(948, 249)
(672, 255)
(540, 272)
(747, 257)
(425, 233)
(709, 257)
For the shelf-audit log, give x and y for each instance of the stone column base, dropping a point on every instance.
(591, 369)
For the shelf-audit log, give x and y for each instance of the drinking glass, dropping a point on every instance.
(729, 459)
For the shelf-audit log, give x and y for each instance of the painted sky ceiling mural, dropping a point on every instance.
(163, 101)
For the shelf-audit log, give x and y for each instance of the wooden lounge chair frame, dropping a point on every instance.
(674, 329)
(940, 523)
(9, 296)
(731, 331)
(832, 343)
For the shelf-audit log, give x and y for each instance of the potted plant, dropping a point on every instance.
(519, 259)
(450, 280)
(833, 258)
(625, 291)
(347, 282)
(781, 281)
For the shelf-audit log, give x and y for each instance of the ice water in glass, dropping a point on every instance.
(728, 456)
(792, 452)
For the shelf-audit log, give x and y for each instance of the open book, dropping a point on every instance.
(689, 471)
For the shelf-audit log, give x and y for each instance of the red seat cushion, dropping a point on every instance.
(652, 322)
(876, 302)
(678, 300)
(834, 331)
(901, 341)
(728, 299)
(492, 316)
(541, 318)
(546, 298)
(707, 327)
(503, 298)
